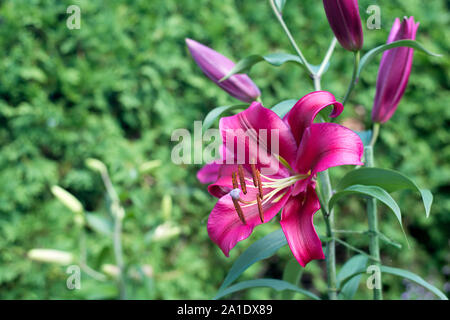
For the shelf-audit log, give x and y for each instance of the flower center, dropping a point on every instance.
(276, 186)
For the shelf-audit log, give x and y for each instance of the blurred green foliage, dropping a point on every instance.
(117, 88)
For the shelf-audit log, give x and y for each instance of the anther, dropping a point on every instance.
(255, 181)
(238, 209)
(261, 215)
(233, 178)
(258, 179)
(242, 179)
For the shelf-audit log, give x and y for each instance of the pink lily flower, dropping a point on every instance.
(249, 197)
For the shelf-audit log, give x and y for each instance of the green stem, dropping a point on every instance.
(374, 245)
(83, 259)
(354, 80)
(327, 58)
(324, 179)
(326, 193)
(348, 245)
(375, 133)
(291, 38)
(118, 215)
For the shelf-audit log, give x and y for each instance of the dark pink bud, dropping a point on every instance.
(215, 66)
(344, 19)
(394, 71)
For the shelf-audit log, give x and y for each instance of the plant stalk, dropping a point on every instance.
(291, 38)
(374, 244)
(324, 178)
(354, 75)
(118, 215)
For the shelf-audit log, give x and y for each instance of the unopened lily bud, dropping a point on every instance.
(51, 256)
(394, 71)
(96, 165)
(149, 166)
(111, 270)
(67, 199)
(165, 231)
(344, 19)
(166, 205)
(147, 270)
(216, 66)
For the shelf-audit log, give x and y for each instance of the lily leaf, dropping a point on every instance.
(415, 278)
(352, 271)
(261, 249)
(371, 191)
(275, 59)
(217, 112)
(100, 224)
(292, 274)
(389, 180)
(276, 284)
(283, 107)
(365, 136)
(400, 43)
(280, 5)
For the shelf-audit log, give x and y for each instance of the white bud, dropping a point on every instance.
(67, 199)
(96, 165)
(166, 206)
(111, 270)
(149, 166)
(165, 231)
(51, 256)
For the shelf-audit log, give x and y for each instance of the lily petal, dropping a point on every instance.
(257, 134)
(224, 184)
(209, 173)
(297, 224)
(224, 225)
(326, 145)
(302, 114)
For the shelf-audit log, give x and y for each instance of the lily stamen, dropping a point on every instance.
(260, 210)
(242, 178)
(235, 196)
(254, 174)
(234, 180)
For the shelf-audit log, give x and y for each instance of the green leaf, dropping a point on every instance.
(216, 112)
(415, 278)
(352, 271)
(278, 285)
(280, 5)
(371, 191)
(275, 59)
(283, 107)
(261, 249)
(365, 136)
(99, 224)
(400, 43)
(389, 180)
(292, 274)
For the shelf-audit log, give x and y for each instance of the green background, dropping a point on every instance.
(117, 88)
